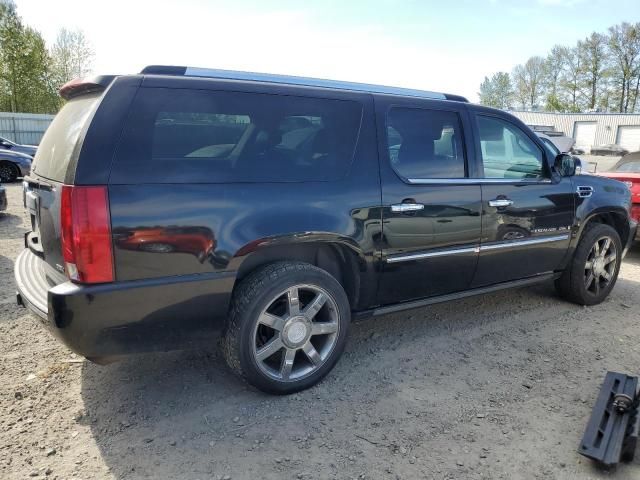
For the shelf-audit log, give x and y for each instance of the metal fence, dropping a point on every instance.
(25, 128)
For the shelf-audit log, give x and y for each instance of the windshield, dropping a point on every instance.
(632, 167)
(550, 146)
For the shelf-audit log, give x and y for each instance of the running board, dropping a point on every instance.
(612, 431)
(543, 277)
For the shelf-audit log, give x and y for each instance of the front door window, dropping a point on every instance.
(507, 152)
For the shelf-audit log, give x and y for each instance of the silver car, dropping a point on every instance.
(6, 144)
(13, 165)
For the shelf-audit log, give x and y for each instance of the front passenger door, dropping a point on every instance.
(527, 213)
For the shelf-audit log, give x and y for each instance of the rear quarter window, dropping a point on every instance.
(197, 136)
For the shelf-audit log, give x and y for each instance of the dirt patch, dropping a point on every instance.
(493, 387)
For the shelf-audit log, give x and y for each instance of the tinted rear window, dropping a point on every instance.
(57, 147)
(197, 136)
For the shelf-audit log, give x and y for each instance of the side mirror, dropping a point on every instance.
(5, 145)
(567, 165)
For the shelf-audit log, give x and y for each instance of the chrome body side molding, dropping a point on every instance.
(524, 242)
(474, 181)
(477, 248)
(432, 254)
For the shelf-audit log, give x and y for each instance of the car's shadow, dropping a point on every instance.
(11, 226)
(633, 255)
(182, 414)
(7, 292)
(6, 265)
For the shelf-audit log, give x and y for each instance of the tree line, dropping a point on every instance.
(32, 72)
(600, 73)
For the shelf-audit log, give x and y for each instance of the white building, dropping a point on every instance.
(590, 129)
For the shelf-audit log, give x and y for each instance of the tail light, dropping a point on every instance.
(86, 234)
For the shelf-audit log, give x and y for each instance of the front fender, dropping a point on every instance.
(609, 198)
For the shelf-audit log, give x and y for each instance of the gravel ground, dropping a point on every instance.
(492, 387)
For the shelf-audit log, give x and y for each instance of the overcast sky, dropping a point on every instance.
(443, 45)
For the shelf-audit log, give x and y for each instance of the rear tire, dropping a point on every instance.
(593, 271)
(8, 172)
(287, 327)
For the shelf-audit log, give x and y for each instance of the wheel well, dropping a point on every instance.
(337, 260)
(13, 165)
(616, 220)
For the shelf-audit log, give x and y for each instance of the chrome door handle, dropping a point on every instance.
(407, 207)
(500, 202)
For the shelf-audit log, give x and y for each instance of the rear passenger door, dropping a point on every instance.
(527, 212)
(430, 207)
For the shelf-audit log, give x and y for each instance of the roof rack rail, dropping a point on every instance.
(293, 80)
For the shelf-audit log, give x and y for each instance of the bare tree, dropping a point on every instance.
(572, 77)
(624, 45)
(529, 81)
(555, 64)
(593, 62)
(72, 55)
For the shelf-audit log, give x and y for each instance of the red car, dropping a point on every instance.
(197, 241)
(627, 170)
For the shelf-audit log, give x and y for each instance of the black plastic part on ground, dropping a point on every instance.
(612, 431)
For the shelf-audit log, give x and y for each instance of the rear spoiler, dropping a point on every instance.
(81, 86)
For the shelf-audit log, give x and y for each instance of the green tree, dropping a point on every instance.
(25, 67)
(496, 91)
(529, 80)
(554, 66)
(624, 45)
(593, 61)
(571, 79)
(600, 72)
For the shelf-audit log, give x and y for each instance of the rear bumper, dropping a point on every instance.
(126, 317)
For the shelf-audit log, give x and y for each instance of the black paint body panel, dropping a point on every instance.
(451, 218)
(540, 210)
(142, 316)
(181, 247)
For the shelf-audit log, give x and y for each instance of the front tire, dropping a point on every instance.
(287, 327)
(593, 271)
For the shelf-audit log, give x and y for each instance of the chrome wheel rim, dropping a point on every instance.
(600, 266)
(296, 333)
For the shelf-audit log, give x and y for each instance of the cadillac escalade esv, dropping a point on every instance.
(182, 204)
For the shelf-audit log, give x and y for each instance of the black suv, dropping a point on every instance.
(178, 204)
